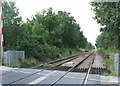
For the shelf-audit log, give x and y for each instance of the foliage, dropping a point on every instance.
(15, 65)
(11, 24)
(107, 15)
(102, 52)
(27, 62)
(111, 74)
(49, 66)
(44, 36)
(108, 60)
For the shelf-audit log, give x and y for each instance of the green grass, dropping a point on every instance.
(108, 61)
(48, 65)
(15, 66)
(111, 74)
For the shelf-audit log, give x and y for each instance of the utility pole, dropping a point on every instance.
(1, 33)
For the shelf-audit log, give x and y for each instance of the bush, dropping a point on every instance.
(46, 53)
(80, 49)
(27, 62)
(48, 65)
(101, 52)
(108, 59)
(15, 65)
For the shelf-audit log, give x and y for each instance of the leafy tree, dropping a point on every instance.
(11, 24)
(44, 36)
(107, 14)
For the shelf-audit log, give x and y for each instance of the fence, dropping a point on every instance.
(11, 57)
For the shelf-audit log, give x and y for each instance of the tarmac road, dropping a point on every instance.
(40, 76)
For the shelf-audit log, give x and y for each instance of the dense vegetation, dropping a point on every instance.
(46, 35)
(107, 15)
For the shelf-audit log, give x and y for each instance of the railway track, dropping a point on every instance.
(67, 63)
(56, 64)
(83, 67)
(85, 62)
(59, 62)
(77, 65)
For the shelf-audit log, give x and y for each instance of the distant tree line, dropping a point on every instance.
(107, 15)
(44, 35)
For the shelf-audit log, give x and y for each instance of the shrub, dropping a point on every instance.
(27, 62)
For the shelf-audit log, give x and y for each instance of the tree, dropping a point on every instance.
(11, 24)
(107, 14)
(44, 36)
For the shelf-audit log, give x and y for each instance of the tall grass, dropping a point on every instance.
(108, 59)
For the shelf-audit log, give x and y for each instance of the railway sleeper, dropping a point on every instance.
(94, 70)
(99, 70)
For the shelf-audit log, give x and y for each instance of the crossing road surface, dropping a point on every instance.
(40, 76)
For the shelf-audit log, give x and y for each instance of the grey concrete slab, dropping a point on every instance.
(93, 79)
(76, 75)
(93, 82)
(13, 71)
(7, 80)
(28, 79)
(70, 76)
(8, 72)
(45, 77)
(70, 80)
(53, 77)
(94, 76)
(31, 78)
(17, 74)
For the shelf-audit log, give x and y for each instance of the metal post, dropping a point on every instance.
(116, 62)
(9, 56)
(1, 32)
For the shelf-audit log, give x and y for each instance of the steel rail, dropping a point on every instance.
(70, 69)
(64, 58)
(52, 62)
(87, 74)
(75, 56)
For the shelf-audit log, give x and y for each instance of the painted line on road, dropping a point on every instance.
(42, 78)
(82, 78)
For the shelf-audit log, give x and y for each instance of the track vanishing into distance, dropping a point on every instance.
(77, 64)
(84, 59)
(82, 62)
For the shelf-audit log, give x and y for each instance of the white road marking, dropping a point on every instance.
(93, 79)
(42, 78)
(38, 80)
(73, 77)
(23, 71)
(82, 78)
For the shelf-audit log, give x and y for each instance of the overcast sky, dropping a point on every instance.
(81, 10)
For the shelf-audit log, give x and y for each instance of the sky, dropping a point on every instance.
(81, 10)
